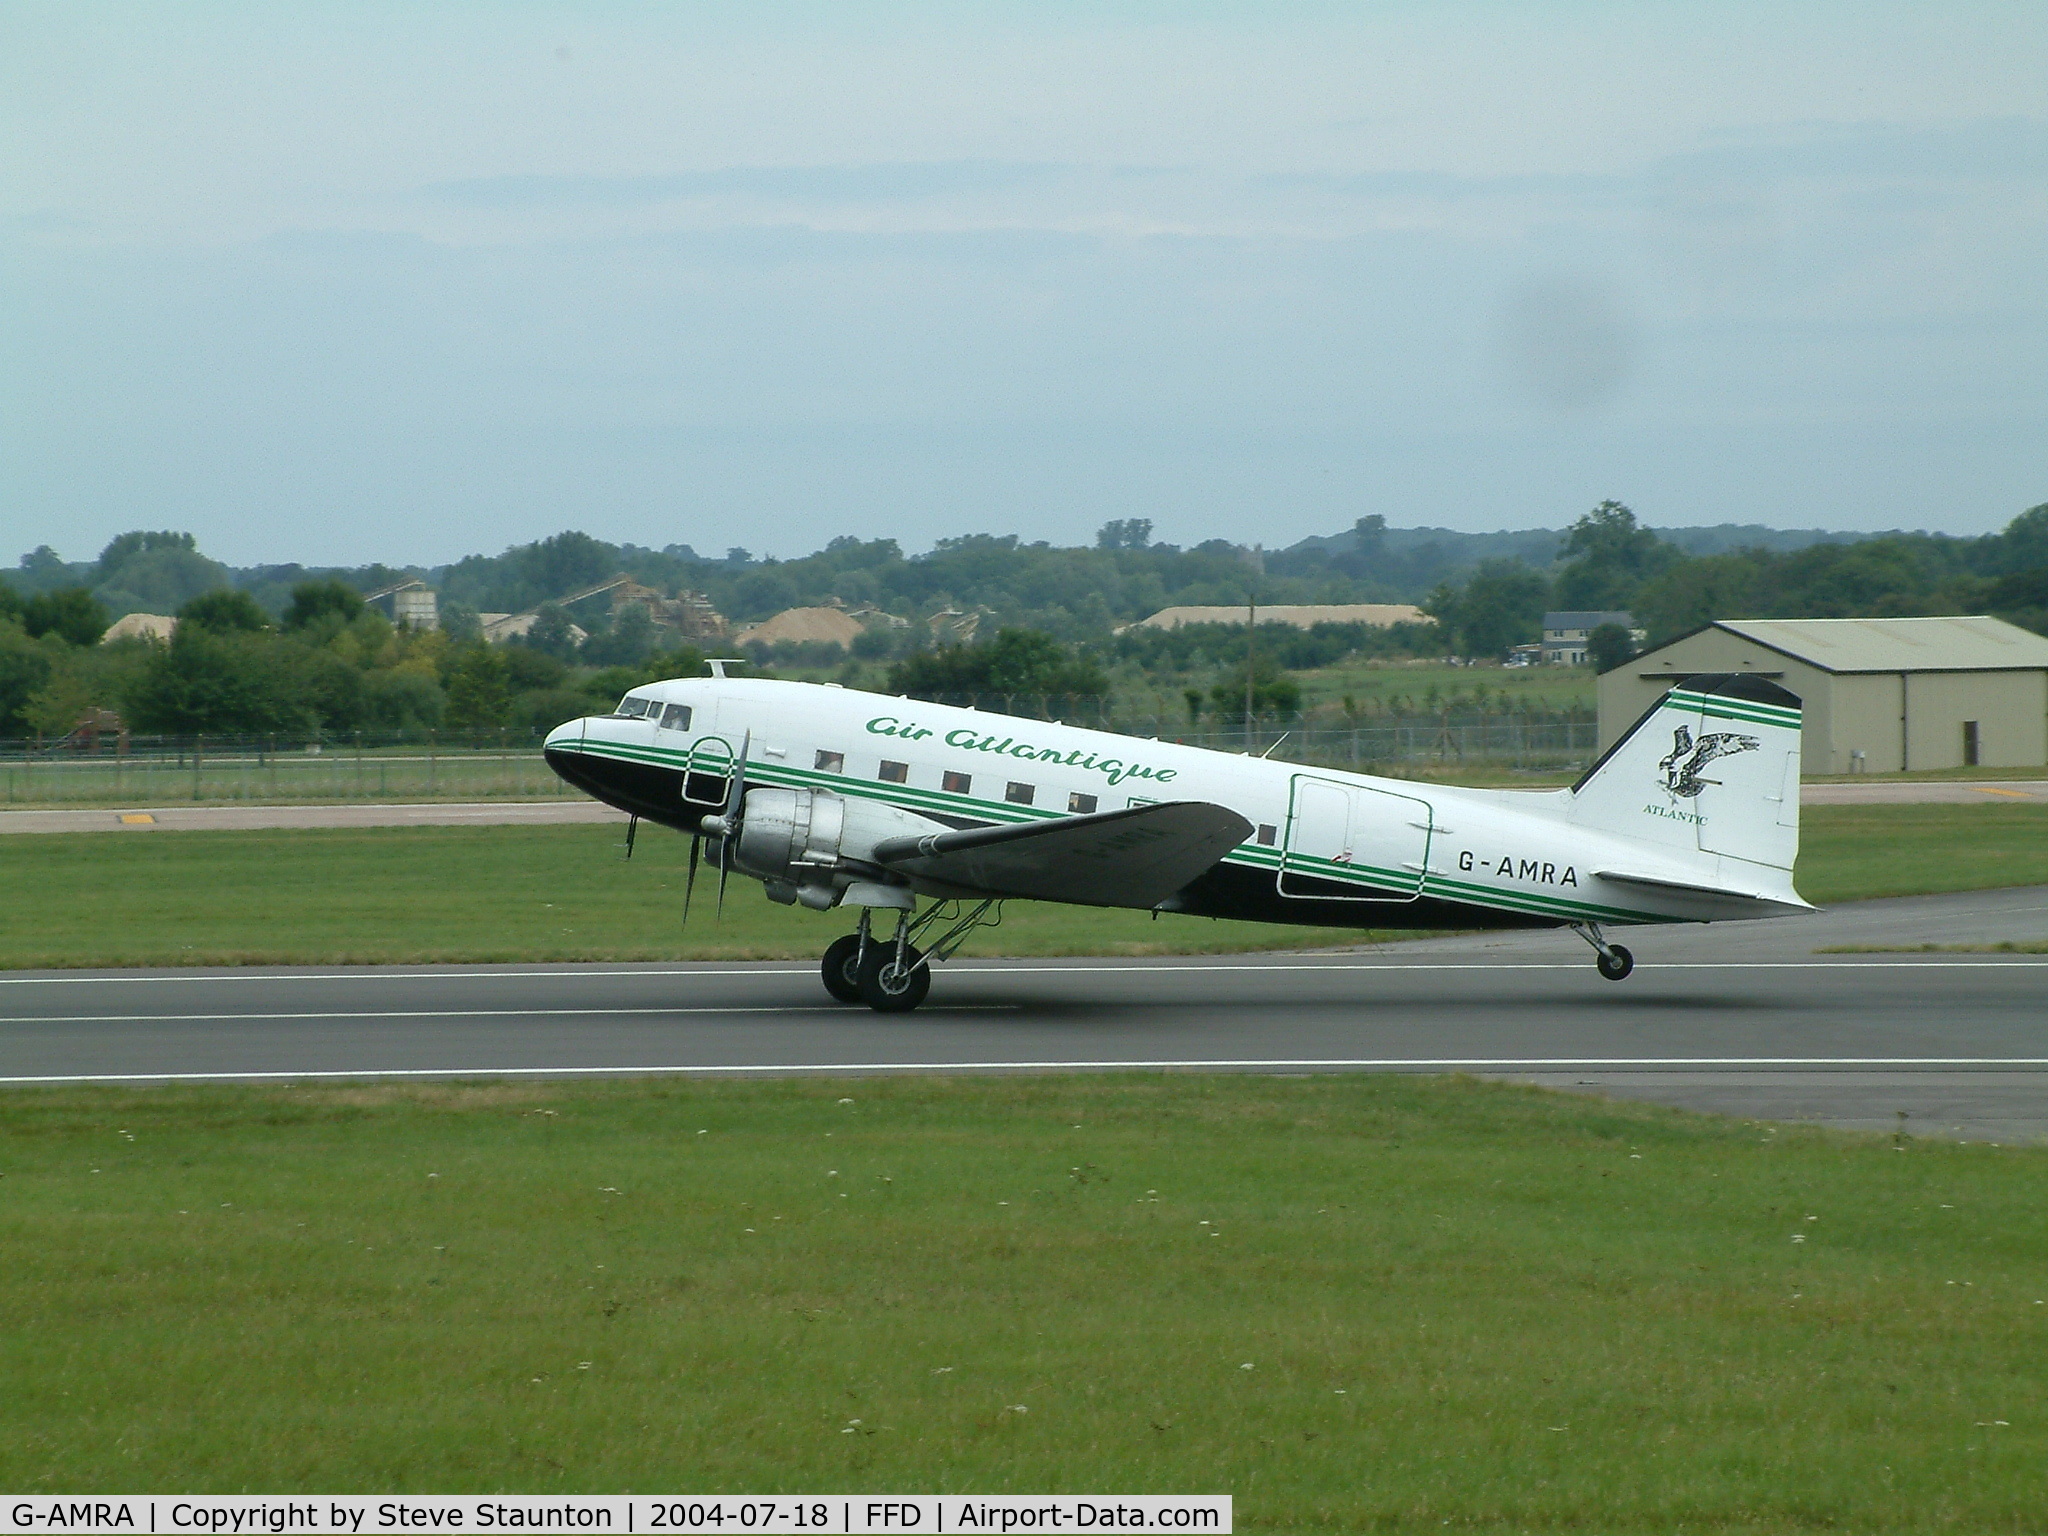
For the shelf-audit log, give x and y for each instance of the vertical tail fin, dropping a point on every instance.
(1712, 766)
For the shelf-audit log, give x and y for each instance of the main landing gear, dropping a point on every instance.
(1613, 961)
(893, 975)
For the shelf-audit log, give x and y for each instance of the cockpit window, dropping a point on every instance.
(676, 718)
(635, 707)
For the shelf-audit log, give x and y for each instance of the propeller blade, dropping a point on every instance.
(735, 809)
(736, 794)
(690, 880)
(632, 827)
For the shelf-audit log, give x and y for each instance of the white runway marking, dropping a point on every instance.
(835, 1010)
(1434, 1064)
(1025, 968)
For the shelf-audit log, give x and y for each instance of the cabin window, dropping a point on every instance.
(893, 773)
(1079, 804)
(1019, 794)
(831, 762)
(958, 783)
(676, 717)
(1268, 835)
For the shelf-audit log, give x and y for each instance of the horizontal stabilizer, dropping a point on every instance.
(1697, 888)
(1130, 858)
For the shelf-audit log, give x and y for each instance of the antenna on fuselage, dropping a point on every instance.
(718, 664)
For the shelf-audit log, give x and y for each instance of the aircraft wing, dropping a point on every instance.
(1130, 858)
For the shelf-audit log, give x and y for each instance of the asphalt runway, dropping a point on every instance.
(1745, 1019)
(242, 817)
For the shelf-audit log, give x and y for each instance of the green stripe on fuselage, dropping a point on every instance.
(1247, 855)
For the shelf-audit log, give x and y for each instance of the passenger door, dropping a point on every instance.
(1346, 842)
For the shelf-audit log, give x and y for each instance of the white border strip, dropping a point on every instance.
(872, 1068)
(830, 1010)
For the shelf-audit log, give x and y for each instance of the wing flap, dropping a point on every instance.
(1130, 858)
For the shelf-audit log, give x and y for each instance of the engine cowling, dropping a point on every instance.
(812, 843)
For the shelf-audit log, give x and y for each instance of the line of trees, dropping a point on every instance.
(1613, 563)
(329, 666)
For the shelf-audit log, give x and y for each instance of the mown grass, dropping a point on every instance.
(417, 895)
(1355, 1303)
(1853, 852)
(414, 895)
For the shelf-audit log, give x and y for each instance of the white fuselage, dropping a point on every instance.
(1328, 845)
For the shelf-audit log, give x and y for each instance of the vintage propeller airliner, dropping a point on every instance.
(836, 798)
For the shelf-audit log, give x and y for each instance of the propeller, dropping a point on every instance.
(690, 882)
(725, 826)
(632, 827)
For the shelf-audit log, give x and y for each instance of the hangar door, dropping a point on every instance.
(1349, 843)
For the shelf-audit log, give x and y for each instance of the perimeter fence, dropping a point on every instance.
(110, 769)
(162, 770)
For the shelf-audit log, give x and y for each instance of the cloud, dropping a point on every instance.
(894, 181)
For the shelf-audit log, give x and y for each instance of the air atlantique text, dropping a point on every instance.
(623, 1514)
(1010, 746)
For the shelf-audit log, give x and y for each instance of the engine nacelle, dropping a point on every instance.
(810, 844)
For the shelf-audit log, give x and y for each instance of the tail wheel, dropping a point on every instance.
(1616, 963)
(889, 988)
(842, 968)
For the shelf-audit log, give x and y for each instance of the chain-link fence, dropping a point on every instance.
(160, 770)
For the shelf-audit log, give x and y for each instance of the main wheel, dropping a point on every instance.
(1616, 963)
(842, 968)
(885, 987)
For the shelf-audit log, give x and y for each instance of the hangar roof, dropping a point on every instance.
(1974, 644)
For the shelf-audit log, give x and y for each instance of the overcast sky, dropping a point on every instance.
(403, 282)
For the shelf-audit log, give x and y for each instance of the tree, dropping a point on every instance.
(1017, 661)
(478, 699)
(154, 572)
(124, 547)
(24, 668)
(1608, 558)
(225, 611)
(1124, 533)
(314, 600)
(403, 699)
(1499, 607)
(630, 639)
(71, 614)
(1273, 692)
(212, 682)
(460, 623)
(1610, 646)
(552, 634)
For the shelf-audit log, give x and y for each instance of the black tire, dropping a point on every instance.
(1616, 963)
(841, 967)
(886, 989)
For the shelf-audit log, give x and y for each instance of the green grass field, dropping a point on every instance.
(1362, 1303)
(412, 895)
(491, 894)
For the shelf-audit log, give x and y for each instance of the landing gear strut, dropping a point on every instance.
(1613, 961)
(893, 975)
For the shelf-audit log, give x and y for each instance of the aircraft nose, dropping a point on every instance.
(568, 734)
